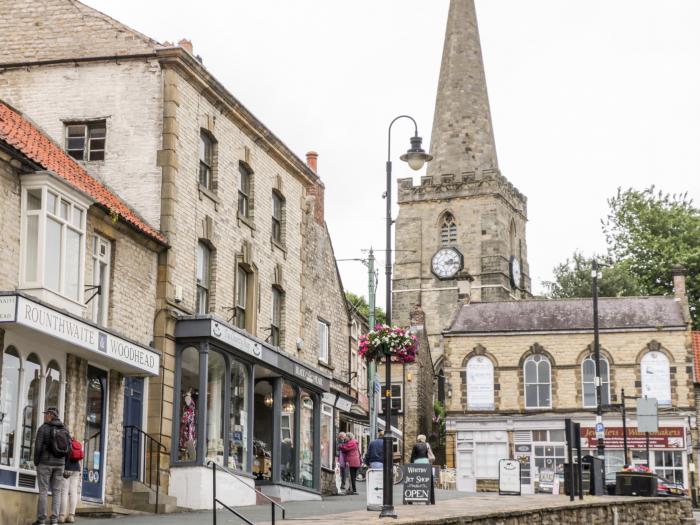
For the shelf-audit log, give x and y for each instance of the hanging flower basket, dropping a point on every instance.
(389, 340)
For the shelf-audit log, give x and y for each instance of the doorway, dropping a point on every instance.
(96, 416)
(133, 420)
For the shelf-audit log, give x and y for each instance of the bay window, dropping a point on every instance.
(53, 231)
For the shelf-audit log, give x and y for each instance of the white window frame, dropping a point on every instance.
(382, 398)
(203, 279)
(539, 405)
(327, 411)
(324, 341)
(276, 317)
(46, 356)
(101, 260)
(47, 183)
(604, 382)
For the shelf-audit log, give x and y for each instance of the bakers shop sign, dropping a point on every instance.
(56, 324)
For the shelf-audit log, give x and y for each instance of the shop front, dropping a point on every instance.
(248, 407)
(539, 443)
(51, 358)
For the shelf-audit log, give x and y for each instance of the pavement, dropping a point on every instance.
(261, 513)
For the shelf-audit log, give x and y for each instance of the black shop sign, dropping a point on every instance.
(418, 484)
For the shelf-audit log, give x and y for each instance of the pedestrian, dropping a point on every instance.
(52, 446)
(374, 458)
(352, 460)
(342, 463)
(421, 452)
(71, 484)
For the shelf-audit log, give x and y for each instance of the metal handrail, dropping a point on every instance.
(273, 503)
(159, 447)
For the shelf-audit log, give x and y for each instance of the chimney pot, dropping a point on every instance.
(186, 45)
(679, 272)
(312, 161)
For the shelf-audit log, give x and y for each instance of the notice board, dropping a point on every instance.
(509, 477)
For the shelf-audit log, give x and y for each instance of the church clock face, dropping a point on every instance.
(515, 272)
(447, 262)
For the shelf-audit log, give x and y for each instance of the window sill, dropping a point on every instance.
(247, 221)
(210, 194)
(55, 299)
(326, 365)
(278, 245)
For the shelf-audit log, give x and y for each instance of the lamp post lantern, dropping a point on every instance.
(416, 157)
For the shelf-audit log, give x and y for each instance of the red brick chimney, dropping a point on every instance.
(312, 161)
(317, 189)
(186, 45)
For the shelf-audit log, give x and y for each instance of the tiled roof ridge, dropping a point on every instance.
(572, 299)
(119, 26)
(695, 336)
(25, 136)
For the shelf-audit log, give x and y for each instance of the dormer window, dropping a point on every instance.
(53, 232)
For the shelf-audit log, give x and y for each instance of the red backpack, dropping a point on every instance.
(76, 450)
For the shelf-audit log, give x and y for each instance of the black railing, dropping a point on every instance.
(141, 454)
(273, 503)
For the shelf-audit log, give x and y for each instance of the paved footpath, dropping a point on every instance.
(351, 510)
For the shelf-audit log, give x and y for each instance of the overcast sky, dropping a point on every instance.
(586, 96)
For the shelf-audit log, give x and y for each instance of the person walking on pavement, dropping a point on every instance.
(342, 462)
(51, 449)
(374, 458)
(72, 478)
(421, 452)
(351, 448)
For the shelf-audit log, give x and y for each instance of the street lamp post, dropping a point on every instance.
(596, 351)
(416, 157)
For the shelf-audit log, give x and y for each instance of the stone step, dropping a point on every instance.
(91, 510)
(137, 496)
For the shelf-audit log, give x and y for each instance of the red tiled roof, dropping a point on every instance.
(696, 355)
(22, 135)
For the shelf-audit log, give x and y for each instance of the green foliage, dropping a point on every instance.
(652, 231)
(437, 437)
(360, 304)
(572, 278)
(647, 233)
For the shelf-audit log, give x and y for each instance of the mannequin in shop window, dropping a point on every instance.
(188, 427)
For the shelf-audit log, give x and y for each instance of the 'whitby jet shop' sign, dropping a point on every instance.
(25, 312)
(418, 484)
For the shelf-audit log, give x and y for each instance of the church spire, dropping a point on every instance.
(462, 138)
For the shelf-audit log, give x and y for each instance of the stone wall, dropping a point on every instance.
(10, 221)
(127, 94)
(566, 352)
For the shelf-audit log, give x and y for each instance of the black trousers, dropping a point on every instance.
(353, 477)
(342, 477)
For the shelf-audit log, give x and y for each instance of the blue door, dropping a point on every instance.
(133, 415)
(94, 446)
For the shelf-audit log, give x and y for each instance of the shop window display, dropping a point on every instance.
(189, 393)
(216, 401)
(288, 434)
(30, 410)
(306, 440)
(9, 395)
(327, 436)
(238, 439)
(263, 422)
(52, 390)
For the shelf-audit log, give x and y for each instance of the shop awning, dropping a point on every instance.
(27, 317)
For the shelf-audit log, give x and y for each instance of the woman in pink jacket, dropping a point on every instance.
(351, 448)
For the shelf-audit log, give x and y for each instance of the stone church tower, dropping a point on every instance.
(464, 225)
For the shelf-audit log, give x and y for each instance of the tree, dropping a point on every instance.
(572, 278)
(652, 231)
(647, 233)
(359, 303)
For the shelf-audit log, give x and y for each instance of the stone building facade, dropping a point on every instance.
(74, 320)
(512, 379)
(249, 274)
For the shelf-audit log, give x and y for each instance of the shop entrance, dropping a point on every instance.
(264, 423)
(133, 417)
(95, 415)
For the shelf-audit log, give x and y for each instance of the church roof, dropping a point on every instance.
(563, 315)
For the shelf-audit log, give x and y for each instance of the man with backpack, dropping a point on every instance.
(52, 447)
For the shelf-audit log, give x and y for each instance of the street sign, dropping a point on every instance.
(375, 488)
(647, 415)
(509, 477)
(418, 483)
(599, 431)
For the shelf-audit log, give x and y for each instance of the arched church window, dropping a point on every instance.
(448, 229)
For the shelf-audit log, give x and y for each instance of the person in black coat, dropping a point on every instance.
(49, 467)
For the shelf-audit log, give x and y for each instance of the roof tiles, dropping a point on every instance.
(696, 355)
(22, 135)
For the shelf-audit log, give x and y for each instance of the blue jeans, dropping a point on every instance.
(376, 464)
